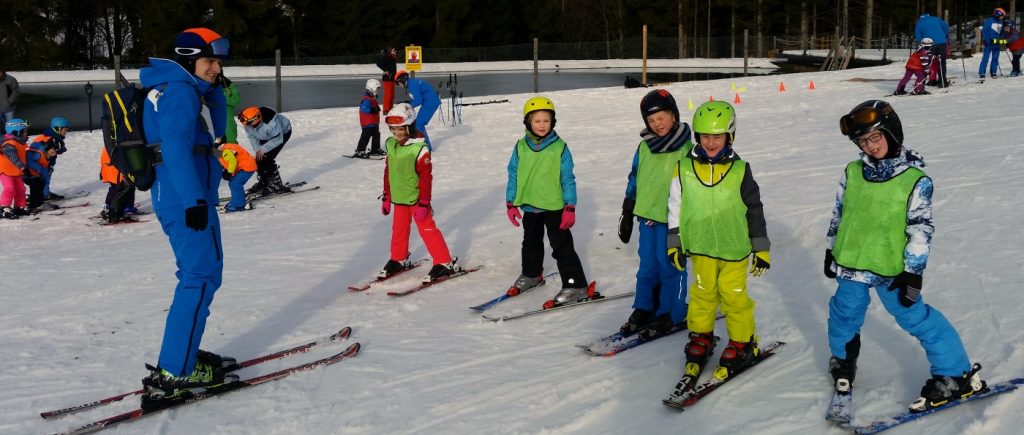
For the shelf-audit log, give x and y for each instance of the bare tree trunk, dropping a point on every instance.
(803, 26)
(869, 15)
(679, 37)
(757, 32)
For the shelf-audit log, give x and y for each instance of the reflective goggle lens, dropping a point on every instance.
(861, 118)
(221, 47)
(396, 120)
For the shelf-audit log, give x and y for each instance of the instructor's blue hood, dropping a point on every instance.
(163, 71)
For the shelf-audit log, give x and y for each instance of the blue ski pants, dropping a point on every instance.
(423, 116)
(992, 51)
(237, 185)
(941, 342)
(200, 261)
(656, 272)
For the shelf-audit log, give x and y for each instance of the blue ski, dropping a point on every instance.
(508, 294)
(906, 416)
(841, 408)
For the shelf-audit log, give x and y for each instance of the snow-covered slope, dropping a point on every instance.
(84, 306)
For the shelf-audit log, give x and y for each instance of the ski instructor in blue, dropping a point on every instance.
(183, 113)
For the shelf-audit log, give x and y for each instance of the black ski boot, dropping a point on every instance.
(162, 388)
(939, 390)
(736, 357)
(637, 321)
(393, 266)
(660, 325)
(274, 182)
(443, 270)
(844, 370)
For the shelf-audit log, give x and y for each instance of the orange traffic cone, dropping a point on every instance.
(782, 87)
(811, 87)
(737, 99)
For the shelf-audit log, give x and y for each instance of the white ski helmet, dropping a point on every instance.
(401, 114)
(373, 85)
(927, 41)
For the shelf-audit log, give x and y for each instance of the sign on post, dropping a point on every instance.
(413, 58)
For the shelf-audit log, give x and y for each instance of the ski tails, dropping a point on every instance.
(508, 295)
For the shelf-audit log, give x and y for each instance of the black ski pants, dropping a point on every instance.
(368, 134)
(562, 249)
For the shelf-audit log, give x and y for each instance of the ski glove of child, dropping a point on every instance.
(626, 220)
(513, 213)
(909, 287)
(568, 217)
(421, 211)
(385, 206)
(830, 264)
(676, 256)
(196, 216)
(760, 262)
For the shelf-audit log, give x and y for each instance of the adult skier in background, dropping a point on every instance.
(184, 198)
(424, 99)
(992, 37)
(879, 237)
(937, 30)
(388, 64)
(660, 301)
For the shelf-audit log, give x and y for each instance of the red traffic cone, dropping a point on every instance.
(811, 87)
(737, 99)
(782, 87)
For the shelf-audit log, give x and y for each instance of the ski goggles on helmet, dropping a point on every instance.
(219, 48)
(863, 120)
(251, 121)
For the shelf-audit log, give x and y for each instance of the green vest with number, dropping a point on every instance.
(872, 234)
(713, 219)
(539, 180)
(402, 176)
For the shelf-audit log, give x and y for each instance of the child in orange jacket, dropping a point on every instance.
(239, 166)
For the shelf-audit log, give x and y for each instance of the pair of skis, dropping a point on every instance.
(619, 342)
(683, 396)
(139, 413)
(416, 288)
(840, 410)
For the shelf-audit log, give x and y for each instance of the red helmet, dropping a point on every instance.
(402, 76)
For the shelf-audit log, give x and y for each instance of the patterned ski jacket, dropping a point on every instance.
(919, 226)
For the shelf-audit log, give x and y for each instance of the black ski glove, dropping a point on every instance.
(225, 175)
(909, 286)
(196, 216)
(626, 220)
(830, 271)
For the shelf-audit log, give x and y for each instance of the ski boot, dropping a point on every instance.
(736, 357)
(360, 154)
(257, 189)
(440, 271)
(637, 321)
(1015, 74)
(162, 388)
(218, 362)
(54, 197)
(900, 92)
(377, 152)
(21, 211)
(275, 184)
(229, 209)
(659, 325)
(939, 390)
(525, 283)
(698, 351)
(843, 372)
(568, 295)
(394, 266)
(8, 213)
(921, 92)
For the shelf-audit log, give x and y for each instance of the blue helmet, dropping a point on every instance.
(59, 122)
(16, 126)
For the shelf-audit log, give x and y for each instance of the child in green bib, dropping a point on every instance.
(715, 217)
(541, 182)
(408, 182)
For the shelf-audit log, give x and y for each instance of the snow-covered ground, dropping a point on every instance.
(84, 306)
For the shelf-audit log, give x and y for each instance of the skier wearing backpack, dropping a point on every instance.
(184, 197)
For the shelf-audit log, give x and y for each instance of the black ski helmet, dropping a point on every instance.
(873, 115)
(656, 101)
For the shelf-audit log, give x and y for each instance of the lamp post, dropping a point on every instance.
(88, 94)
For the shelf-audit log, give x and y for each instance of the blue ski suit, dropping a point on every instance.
(175, 118)
(426, 101)
(991, 34)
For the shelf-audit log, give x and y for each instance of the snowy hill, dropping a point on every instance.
(84, 306)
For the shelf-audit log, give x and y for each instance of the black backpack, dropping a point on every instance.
(123, 136)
